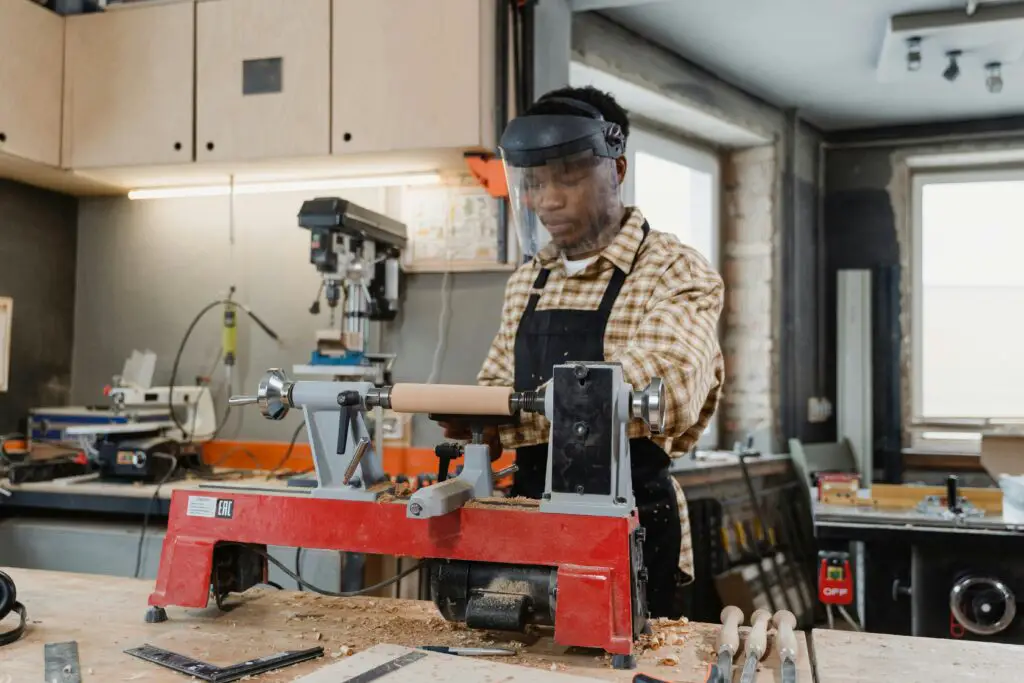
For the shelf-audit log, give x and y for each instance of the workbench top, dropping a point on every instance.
(105, 615)
(848, 657)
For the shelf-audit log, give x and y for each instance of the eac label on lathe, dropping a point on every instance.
(208, 506)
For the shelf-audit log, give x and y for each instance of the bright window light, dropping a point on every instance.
(968, 289)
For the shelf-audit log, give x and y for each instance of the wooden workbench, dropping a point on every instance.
(847, 657)
(105, 615)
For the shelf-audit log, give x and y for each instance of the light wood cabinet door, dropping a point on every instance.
(31, 70)
(411, 75)
(263, 79)
(128, 86)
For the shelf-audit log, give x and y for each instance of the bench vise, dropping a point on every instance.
(573, 562)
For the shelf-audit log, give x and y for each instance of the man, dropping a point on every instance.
(600, 284)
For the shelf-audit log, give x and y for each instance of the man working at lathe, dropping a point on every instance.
(601, 285)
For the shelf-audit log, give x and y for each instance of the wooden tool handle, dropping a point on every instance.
(729, 635)
(757, 639)
(785, 622)
(450, 399)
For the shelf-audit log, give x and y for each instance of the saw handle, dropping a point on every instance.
(785, 622)
(729, 635)
(757, 639)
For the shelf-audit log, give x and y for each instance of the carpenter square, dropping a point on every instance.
(217, 674)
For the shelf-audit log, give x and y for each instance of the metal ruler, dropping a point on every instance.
(60, 663)
(219, 674)
(387, 668)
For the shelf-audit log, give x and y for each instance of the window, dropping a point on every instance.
(967, 305)
(677, 189)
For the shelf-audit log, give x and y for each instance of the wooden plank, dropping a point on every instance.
(848, 657)
(104, 614)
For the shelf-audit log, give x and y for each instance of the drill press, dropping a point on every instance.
(357, 252)
(574, 562)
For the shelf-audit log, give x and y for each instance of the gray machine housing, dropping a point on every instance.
(589, 405)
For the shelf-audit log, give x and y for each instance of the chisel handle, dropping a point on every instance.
(757, 639)
(785, 622)
(729, 635)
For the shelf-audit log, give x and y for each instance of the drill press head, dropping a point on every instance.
(357, 252)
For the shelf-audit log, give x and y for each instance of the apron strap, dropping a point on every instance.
(538, 284)
(619, 278)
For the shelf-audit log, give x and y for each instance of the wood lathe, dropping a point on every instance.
(574, 561)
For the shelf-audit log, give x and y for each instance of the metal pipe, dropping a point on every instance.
(501, 110)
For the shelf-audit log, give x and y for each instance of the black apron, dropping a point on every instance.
(551, 337)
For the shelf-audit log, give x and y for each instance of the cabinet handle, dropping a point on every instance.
(209, 146)
(3, 137)
(177, 146)
(346, 137)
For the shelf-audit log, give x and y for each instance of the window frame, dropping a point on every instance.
(672, 149)
(700, 159)
(951, 433)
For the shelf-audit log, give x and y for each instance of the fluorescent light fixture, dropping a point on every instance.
(287, 186)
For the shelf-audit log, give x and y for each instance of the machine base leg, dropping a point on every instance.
(647, 629)
(623, 661)
(156, 615)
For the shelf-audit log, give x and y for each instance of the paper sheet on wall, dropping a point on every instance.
(450, 223)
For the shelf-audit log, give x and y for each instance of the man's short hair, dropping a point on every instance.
(611, 110)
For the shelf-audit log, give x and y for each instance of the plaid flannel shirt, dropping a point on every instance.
(664, 324)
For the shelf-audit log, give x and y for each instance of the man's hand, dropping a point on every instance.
(460, 431)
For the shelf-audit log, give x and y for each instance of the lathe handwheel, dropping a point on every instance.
(958, 595)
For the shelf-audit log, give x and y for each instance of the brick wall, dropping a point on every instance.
(750, 189)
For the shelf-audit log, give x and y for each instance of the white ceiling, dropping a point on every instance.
(820, 56)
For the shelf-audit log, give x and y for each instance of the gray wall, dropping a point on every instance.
(37, 250)
(146, 268)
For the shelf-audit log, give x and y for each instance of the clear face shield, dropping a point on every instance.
(574, 202)
(563, 182)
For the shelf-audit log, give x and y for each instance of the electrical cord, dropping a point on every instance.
(149, 509)
(443, 322)
(181, 349)
(332, 594)
(298, 566)
(288, 452)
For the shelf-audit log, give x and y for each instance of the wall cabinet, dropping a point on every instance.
(412, 75)
(263, 79)
(128, 86)
(31, 67)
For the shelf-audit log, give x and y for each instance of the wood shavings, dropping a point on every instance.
(669, 660)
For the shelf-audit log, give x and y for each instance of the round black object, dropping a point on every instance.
(9, 603)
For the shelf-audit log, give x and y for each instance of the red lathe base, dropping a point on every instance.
(594, 607)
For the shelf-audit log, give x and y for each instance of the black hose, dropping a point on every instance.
(181, 349)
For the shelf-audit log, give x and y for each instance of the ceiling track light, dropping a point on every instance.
(913, 53)
(952, 71)
(994, 77)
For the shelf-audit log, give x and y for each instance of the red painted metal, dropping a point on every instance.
(591, 553)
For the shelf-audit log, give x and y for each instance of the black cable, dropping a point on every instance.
(288, 452)
(302, 582)
(149, 509)
(298, 567)
(181, 349)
